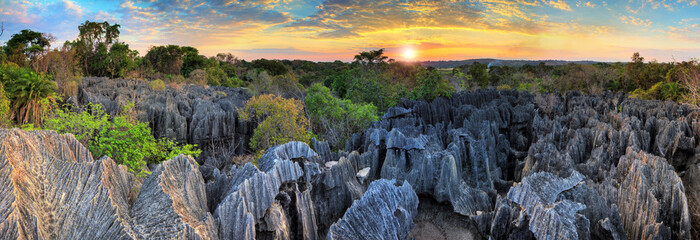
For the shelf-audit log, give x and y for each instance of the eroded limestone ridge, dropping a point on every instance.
(509, 165)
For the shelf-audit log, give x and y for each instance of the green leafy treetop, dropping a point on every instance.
(279, 120)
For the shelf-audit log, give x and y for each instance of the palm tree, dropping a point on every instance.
(32, 95)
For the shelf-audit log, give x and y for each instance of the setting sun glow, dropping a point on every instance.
(409, 54)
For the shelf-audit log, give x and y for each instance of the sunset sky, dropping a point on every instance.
(409, 30)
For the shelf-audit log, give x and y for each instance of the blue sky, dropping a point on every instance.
(336, 29)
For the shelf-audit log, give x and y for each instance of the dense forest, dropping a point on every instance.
(293, 99)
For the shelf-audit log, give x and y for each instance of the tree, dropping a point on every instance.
(165, 59)
(191, 60)
(121, 137)
(371, 57)
(274, 68)
(479, 73)
(227, 57)
(279, 121)
(431, 85)
(121, 59)
(26, 46)
(689, 75)
(94, 41)
(334, 119)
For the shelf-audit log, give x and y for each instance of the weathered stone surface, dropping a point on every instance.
(691, 182)
(172, 203)
(549, 218)
(505, 164)
(52, 189)
(651, 198)
(386, 211)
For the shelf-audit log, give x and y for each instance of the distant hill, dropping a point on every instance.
(498, 62)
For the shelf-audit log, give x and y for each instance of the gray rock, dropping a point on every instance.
(549, 218)
(172, 203)
(386, 211)
(52, 189)
(652, 201)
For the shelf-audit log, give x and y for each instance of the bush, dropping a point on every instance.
(215, 76)
(503, 87)
(659, 91)
(279, 121)
(337, 119)
(431, 85)
(32, 94)
(124, 139)
(4, 108)
(157, 85)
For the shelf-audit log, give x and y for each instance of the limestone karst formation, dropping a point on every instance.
(512, 165)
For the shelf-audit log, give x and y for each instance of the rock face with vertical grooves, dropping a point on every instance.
(506, 164)
(385, 211)
(52, 189)
(651, 198)
(173, 200)
(549, 218)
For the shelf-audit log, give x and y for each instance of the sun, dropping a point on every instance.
(409, 54)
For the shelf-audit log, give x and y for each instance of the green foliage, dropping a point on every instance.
(165, 59)
(524, 87)
(503, 87)
(659, 91)
(341, 81)
(431, 85)
(336, 119)
(479, 73)
(93, 44)
(279, 120)
(121, 59)
(273, 67)
(216, 76)
(26, 45)
(124, 139)
(5, 121)
(32, 94)
(191, 60)
(157, 84)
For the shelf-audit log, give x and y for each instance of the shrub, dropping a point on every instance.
(431, 85)
(336, 119)
(659, 91)
(157, 85)
(4, 108)
(32, 95)
(279, 121)
(124, 139)
(215, 76)
(503, 87)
